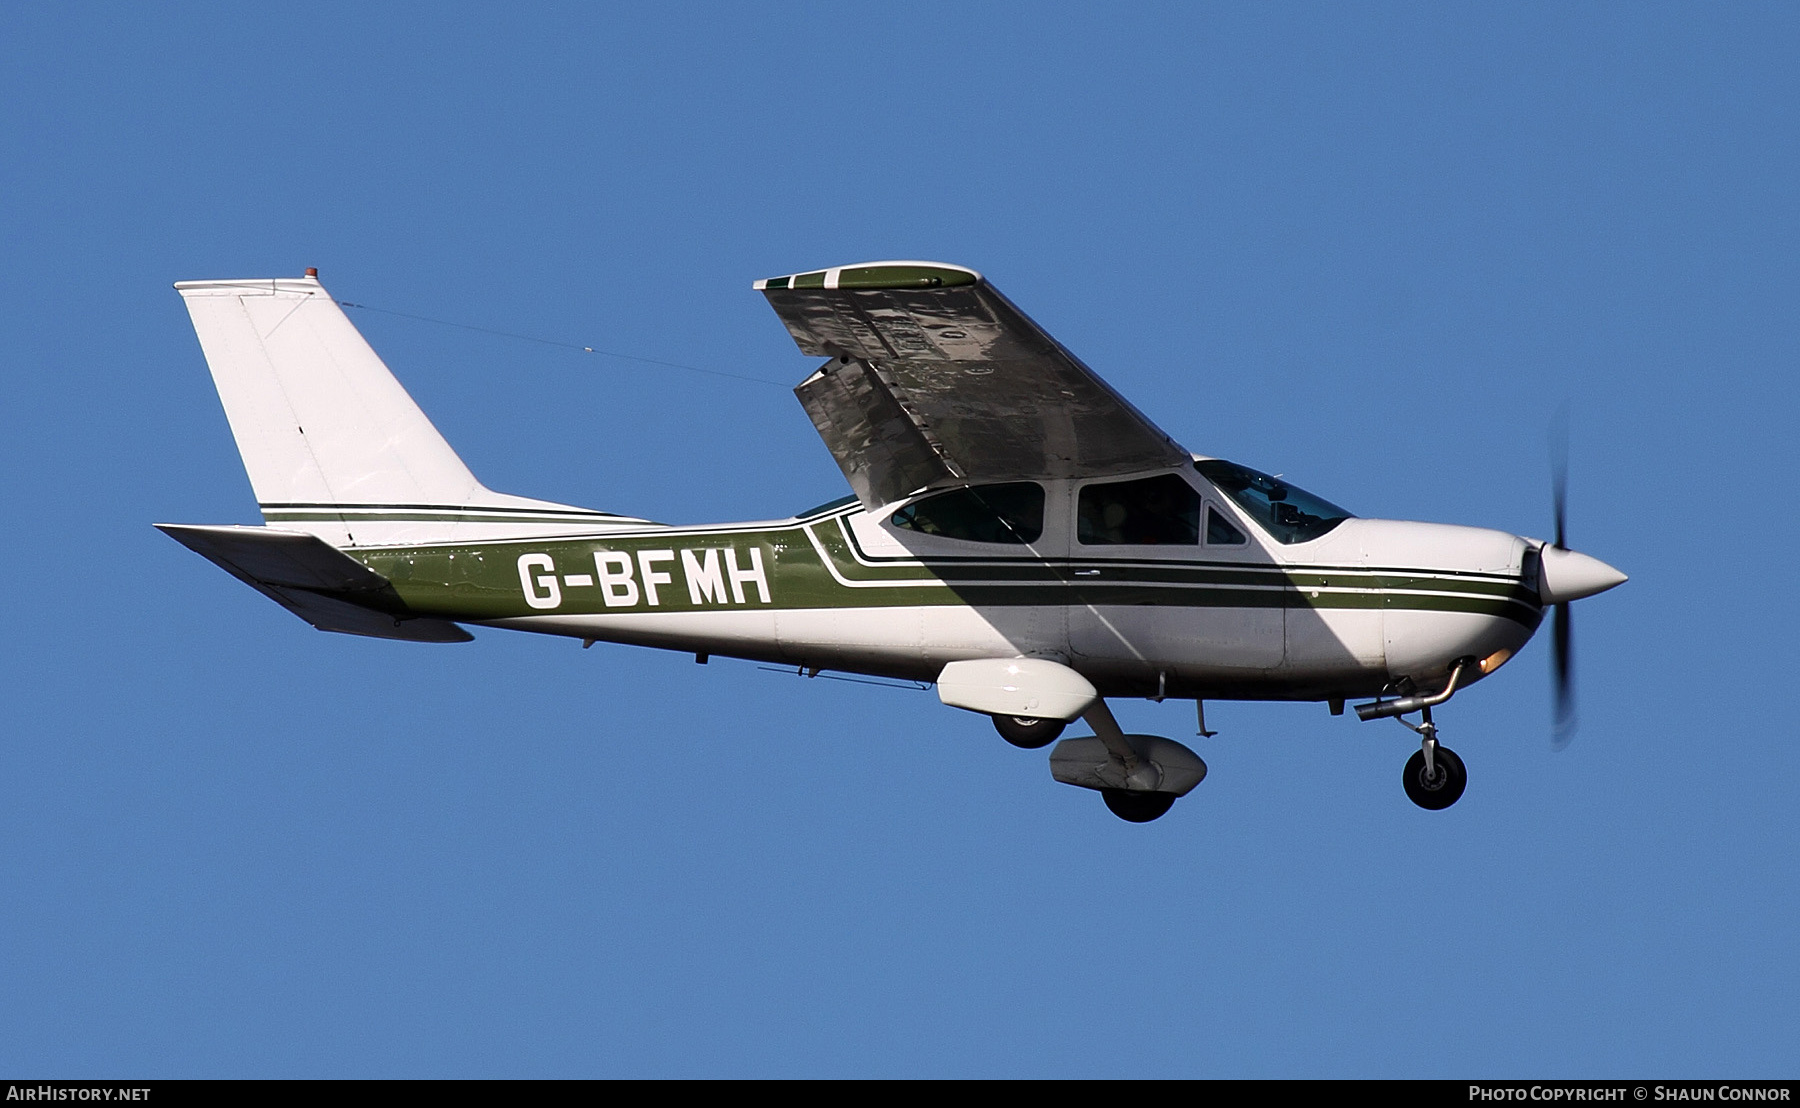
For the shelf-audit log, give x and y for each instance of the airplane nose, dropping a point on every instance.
(1565, 575)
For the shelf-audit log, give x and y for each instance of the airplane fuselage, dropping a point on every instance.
(1349, 614)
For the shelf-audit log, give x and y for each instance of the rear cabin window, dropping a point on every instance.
(989, 513)
(1155, 511)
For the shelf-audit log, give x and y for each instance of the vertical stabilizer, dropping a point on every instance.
(333, 444)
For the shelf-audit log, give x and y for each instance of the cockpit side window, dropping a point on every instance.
(988, 513)
(1221, 531)
(1287, 512)
(1152, 511)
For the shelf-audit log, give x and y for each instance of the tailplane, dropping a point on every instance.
(323, 586)
(333, 444)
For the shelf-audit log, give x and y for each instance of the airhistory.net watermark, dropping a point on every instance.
(50, 1093)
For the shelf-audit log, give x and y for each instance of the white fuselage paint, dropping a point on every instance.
(1270, 650)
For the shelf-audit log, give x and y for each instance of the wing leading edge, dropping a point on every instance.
(937, 380)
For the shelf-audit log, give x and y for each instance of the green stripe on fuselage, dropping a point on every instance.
(486, 581)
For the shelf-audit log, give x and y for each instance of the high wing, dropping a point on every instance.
(936, 380)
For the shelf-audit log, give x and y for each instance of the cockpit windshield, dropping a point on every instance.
(1288, 513)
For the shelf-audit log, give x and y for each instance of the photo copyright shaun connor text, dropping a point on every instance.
(1650, 1093)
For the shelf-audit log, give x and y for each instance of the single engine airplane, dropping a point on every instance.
(1020, 536)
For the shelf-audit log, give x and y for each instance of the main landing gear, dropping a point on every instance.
(1135, 807)
(1031, 700)
(1026, 733)
(1138, 776)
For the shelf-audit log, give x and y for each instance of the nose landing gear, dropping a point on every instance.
(1434, 776)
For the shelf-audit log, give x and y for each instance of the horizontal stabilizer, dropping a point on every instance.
(329, 614)
(317, 582)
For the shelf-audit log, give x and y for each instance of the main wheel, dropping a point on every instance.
(1022, 731)
(1435, 793)
(1137, 807)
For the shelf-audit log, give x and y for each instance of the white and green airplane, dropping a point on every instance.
(1020, 535)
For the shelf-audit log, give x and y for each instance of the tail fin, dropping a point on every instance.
(333, 444)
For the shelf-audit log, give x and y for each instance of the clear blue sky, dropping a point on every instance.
(1373, 247)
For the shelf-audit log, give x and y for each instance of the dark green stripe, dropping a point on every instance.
(300, 506)
(480, 580)
(838, 541)
(416, 517)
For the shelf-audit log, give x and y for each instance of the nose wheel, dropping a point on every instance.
(1438, 784)
(1434, 777)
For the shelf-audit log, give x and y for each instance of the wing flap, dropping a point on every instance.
(314, 580)
(883, 450)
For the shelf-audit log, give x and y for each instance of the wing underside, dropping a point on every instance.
(937, 380)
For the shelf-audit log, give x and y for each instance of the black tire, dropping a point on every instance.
(1137, 807)
(1028, 734)
(1435, 794)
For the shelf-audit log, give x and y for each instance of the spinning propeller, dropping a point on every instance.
(1566, 575)
(1562, 632)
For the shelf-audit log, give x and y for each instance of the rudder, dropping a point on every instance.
(333, 445)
